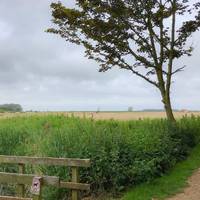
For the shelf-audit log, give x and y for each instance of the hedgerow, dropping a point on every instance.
(123, 154)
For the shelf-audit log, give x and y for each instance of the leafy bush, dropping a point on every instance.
(122, 153)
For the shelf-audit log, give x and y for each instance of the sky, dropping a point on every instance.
(42, 72)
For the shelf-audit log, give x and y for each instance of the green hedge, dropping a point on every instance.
(122, 153)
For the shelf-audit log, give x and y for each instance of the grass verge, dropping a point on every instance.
(171, 183)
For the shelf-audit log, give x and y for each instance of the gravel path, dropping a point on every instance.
(192, 192)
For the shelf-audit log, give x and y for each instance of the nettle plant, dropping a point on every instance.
(141, 36)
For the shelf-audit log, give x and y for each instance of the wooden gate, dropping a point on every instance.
(37, 182)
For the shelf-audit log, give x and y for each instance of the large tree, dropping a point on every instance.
(137, 35)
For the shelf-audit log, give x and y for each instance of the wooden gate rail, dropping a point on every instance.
(70, 162)
(13, 198)
(26, 179)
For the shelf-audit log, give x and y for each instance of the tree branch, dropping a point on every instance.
(169, 76)
(128, 67)
(178, 70)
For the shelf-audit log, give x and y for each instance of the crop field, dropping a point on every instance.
(107, 115)
(131, 115)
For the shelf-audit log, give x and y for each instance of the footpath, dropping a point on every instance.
(192, 192)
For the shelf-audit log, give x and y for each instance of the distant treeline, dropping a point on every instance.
(11, 108)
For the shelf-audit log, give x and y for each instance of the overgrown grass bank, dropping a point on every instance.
(123, 154)
(169, 184)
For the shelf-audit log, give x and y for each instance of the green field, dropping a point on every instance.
(124, 154)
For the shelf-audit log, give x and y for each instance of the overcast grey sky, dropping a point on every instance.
(40, 71)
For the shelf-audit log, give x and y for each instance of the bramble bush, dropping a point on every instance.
(122, 153)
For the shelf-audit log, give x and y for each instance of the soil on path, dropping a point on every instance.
(192, 192)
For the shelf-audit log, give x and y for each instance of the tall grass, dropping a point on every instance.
(122, 153)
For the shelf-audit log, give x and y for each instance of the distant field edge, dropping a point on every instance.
(121, 116)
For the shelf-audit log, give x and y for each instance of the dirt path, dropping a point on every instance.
(192, 192)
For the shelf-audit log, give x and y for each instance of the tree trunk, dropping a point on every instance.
(168, 107)
(165, 93)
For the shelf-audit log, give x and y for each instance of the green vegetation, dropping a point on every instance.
(171, 183)
(123, 154)
(11, 108)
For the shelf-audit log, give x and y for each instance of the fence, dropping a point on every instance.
(37, 182)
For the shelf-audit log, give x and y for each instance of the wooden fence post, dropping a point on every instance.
(75, 179)
(21, 187)
(37, 197)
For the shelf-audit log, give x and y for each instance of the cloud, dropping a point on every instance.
(43, 72)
